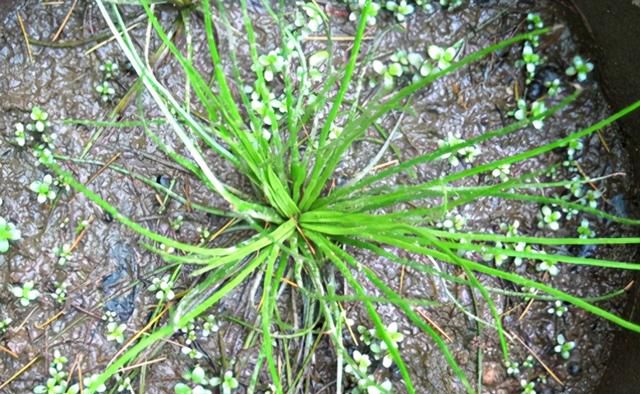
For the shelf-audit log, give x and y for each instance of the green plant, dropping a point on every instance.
(60, 294)
(40, 120)
(302, 226)
(558, 308)
(44, 189)
(227, 382)
(579, 68)
(401, 9)
(106, 91)
(26, 293)
(115, 331)
(564, 347)
(8, 233)
(4, 325)
(109, 69)
(528, 387)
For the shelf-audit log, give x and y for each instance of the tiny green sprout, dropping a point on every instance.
(88, 381)
(466, 154)
(564, 347)
(528, 362)
(316, 60)
(584, 230)
(109, 316)
(192, 353)
(123, 384)
(591, 198)
(40, 119)
(500, 258)
(548, 266)
(59, 361)
(227, 381)
(558, 308)
(389, 72)
(538, 108)
(553, 87)
(176, 223)
(190, 333)
(109, 69)
(549, 218)
(44, 189)
(574, 147)
(453, 223)
(362, 363)
(513, 368)
(43, 154)
(60, 294)
(8, 233)
(4, 325)
(163, 288)
(369, 385)
(115, 331)
(196, 376)
(63, 253)
(444, 56)
(313, 20)
(380, 349)
(401, 9)
(580, 68)
(502, 171)
(20, 134)
(26, 293)
(272, 63)
(528, 387)
(106, 91)
(530, 59)
(534, 21)
(451, 4)
(209, 326)
(356, 7)
(426, 5)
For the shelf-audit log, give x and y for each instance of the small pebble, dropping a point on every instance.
(164, 180)
(574, 368)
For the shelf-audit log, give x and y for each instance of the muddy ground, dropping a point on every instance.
(109, 259)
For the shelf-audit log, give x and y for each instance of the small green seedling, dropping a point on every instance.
(197, 377)
(444, 56)
(564, 347)
(106, 91)
(467, 154)
(401, 9)
(528, 387)
(558, 308)
(8, 233)
(272, 63)
(109, 69)
(26, 293)
(227, 383)
(528, 362)
(44, 189)
(548, 266)
(310, 19)
(60, 294)
(4, 325)
(580, 69)
(389, 72)
(40, 120)
(209, 326)
(163, 288)
(513, 368)
(548, 218)
(363, 362)
(20, 134)
(584, 230)
(115, 331)
(63, 253)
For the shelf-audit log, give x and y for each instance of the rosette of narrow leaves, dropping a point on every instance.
(300, 222)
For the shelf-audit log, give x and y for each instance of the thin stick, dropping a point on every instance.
(139, 334)
(8, 351)
(50, 320)
(113, 37)
(142, 364)
(434, 325)
(526, 310)
(401, 280)
(103, 168)
(553, 375)
(289, 282)
(65, 20)
(26, 319)
(80, 382)
(20, 372)
(26, 38)
(334, 38)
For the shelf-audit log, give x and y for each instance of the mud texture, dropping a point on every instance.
(110, 271)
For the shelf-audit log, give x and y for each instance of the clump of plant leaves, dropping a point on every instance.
(302, 226)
